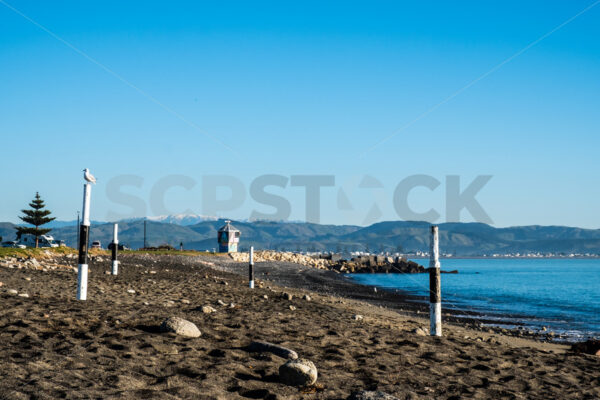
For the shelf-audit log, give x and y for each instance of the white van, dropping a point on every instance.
(43, 241)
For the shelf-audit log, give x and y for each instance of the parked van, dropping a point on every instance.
(43, 241)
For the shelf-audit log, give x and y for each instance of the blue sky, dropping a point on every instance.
(303, 89)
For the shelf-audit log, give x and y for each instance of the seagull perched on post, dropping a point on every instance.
(88, 177)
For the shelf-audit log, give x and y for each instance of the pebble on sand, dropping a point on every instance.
(287, 296)
(419, 332)
(23, 295)
(299, 372)
(181, 327)
(306, 297)
(357, 317)
(208, 309)
(12, 291)
(367, 395)
(130, 291)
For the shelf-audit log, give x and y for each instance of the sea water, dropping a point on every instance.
(562, 295)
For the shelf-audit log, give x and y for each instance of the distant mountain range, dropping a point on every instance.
(461, 239)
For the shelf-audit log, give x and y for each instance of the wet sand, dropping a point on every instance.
(109, 346)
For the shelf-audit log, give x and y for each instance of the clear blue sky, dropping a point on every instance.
(304, 88)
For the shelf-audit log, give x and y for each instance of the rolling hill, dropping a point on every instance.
(462, 239)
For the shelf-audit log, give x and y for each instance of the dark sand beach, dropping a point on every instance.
(109, 346)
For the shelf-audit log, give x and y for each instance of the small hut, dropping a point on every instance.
(228, 238)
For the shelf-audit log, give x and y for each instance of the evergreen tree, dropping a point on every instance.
(36, 216)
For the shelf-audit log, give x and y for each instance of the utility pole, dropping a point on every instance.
(145, 245)
(78, 228)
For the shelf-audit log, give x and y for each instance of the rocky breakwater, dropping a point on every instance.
(376, 264)
(334, 262)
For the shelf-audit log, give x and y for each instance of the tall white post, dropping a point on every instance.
(435, 288)
(251, 268)
(84, 235)
(115, 248)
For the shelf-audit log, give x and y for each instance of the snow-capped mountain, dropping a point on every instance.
(180, 219)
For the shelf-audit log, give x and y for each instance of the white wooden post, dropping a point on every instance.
(115, 249)
(84, 236)
(251, 268)
(435, 290)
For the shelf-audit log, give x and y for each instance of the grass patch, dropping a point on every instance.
(173, 252)
(33, 252)
(51, 251)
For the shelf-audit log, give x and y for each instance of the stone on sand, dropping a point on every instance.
(298, 372)
(266, 347)
(130, 291)
(419, 332)
(357, 317)
(208, 309)
(287, 296)
(367, 395)
(306, 297)
(180, 326)
(12, 291)
(25, 295)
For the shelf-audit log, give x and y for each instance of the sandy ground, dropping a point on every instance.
(109, 346)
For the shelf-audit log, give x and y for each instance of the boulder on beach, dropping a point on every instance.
(180, 326)
(299, 372)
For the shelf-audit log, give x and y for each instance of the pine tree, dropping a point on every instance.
(37, 217)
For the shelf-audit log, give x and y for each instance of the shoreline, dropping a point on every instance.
(341, 285)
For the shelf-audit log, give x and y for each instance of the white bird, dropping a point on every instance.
(88, 177)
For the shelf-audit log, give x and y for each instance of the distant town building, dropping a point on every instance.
(228, 238)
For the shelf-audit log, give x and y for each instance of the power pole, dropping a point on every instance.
(78, 228)
(145, 245)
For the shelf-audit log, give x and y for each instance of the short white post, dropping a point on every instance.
(435, 289)
(84, 236)
(251, 268)
(115, 248)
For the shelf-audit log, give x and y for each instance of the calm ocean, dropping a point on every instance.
(562, 294)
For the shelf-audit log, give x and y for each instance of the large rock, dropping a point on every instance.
(367, 395)
(299, 372)
(266, 347)
(591, 346)
(180, 326)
